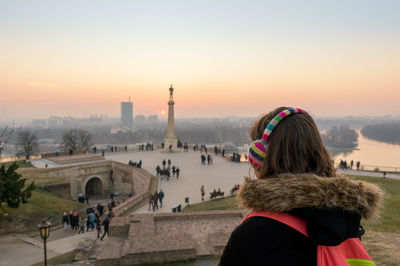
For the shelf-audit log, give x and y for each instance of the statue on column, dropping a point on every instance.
(171, 91)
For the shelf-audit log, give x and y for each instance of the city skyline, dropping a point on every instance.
(225, 58)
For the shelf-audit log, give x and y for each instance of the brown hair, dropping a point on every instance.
(294, 146)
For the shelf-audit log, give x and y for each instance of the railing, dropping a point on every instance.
(378, 168)
(373, 168)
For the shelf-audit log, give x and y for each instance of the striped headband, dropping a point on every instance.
(258, 148)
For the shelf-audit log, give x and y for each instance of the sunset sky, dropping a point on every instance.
(238, 58)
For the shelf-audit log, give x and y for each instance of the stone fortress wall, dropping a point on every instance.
(163, 237)
(100, 178)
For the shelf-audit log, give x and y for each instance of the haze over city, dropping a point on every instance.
(225, 58)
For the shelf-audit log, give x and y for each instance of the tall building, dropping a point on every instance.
(127, 114)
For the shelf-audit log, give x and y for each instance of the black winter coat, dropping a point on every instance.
(332, 208)
(263, 241)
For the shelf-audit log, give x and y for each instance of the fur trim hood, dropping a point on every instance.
(293, 191)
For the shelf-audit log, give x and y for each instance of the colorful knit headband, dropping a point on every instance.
(258, 149)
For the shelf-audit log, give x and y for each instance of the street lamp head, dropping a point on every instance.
(44, 229)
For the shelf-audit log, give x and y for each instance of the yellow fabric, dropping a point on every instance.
(256, 150)
(360, 262)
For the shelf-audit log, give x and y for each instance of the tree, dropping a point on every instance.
(5, 135)
(341, 137)
(389, 133)
(12, 189)
(76, 140)
(27, 144)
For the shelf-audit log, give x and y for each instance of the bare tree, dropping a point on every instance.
(5, 135)
(27, 144)
(76, 140)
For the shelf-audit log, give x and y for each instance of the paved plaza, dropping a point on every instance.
(221, 174)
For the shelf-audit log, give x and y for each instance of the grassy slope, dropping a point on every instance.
(226, 203)
(21, 164)
(390, 214)
(35, 175)
(41, 205)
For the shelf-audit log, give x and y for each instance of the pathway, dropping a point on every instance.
(368, 173)
(22, 251)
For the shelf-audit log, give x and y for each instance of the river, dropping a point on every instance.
(372, 153)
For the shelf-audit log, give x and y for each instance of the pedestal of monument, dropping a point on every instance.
(170, 141)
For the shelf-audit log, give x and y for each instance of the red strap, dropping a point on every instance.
(326, 255)
(285, 218)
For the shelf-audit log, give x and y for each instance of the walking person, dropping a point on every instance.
(203, 159)
(168, 173)
(116, 196)
(158, 170)
(164, 163)
(87, 222)
(202, 191)
(71, 220)
(164, 173)
(100, 209)
(106, 224)
(92, 219)
(82, 226)
(173, 170)
(98, 227)
(75, 218)
(302, 212)
(155, 201)
(161, 197)
(177, 172)
(65, 220)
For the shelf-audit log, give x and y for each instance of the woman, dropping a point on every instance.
(298, 201)
(65, 220)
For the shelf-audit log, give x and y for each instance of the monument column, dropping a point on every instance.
(170, 140)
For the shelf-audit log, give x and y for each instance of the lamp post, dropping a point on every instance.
(44, 229)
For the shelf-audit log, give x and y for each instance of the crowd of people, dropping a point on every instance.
(94, 218)
(236, 157)
(146, 147)
(136, 164)
(344, 165)
(165, 171)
